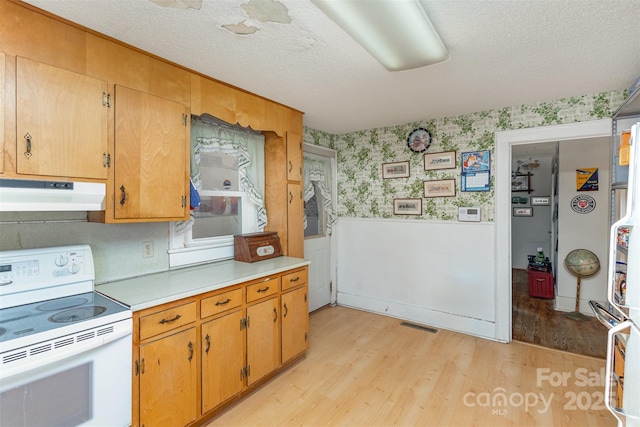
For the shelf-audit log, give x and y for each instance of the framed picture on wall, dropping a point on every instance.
(540, 201)
(523, 211)
(407, 206)
(443, 160)
(521, 183)
(396, 170)
(440, 188)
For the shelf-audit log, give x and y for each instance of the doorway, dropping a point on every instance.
(320, 188)
(503, 216)
(538, 317)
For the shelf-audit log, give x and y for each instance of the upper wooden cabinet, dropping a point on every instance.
(2, 99)
(151, 157)
(61, 122)
(294, 156)
(53, 91)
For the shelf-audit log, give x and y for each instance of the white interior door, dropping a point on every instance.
(317, 241)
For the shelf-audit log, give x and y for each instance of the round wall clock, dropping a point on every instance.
(419, 140)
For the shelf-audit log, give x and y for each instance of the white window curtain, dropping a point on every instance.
(318, 173)
(210, 136)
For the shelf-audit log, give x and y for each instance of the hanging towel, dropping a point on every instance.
(194, 197)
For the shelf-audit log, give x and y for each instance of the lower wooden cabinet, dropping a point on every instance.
(295, 323)
(168, 380)
(263, 339)
(223, 359)
(194, 356)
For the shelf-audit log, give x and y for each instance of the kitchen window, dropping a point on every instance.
(227, 171)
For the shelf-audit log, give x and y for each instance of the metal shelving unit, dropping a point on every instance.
(624, 117)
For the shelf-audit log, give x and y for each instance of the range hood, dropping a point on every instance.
(19, 195)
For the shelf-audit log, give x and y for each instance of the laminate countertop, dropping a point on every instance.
(155, 289)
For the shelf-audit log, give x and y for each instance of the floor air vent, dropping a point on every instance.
(422, 328)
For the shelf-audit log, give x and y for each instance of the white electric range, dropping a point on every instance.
(65, 350)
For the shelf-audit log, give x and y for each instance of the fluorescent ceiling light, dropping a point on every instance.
(398, 33)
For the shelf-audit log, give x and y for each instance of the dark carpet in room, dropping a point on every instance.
(536, 322)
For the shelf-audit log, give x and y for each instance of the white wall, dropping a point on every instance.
(438, 273)
(528, 233)
(582, 231)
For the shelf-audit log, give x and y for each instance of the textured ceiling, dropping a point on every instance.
(503, 53)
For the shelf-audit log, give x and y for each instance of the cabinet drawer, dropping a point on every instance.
(167, 320)
(268, 286)
(219, 303)
(296, 278)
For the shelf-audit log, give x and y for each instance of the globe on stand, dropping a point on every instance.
(581, 263)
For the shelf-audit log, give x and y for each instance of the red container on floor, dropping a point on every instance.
(540, 284)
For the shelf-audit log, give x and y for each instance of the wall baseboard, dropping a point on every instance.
(421, 315)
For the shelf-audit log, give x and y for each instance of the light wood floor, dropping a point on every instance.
(364, 369)
(536, 321)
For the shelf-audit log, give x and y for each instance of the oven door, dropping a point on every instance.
(92, 388)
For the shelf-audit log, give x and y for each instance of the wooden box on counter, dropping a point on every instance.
(256, 246)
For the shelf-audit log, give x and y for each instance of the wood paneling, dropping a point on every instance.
(42, 38)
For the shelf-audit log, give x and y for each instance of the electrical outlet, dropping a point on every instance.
(147, 249)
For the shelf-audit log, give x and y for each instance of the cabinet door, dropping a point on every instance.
(168, 380)
(295, 228)
(263, 339)
(295, 322)
(61, 120)
(151, 178)
(223, 359)
(294, 157)
(2, 71)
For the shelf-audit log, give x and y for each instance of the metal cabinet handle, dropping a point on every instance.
(27, 153)
(123, 195)
(290, 197)
(263, 289)
(142, 366)
(208, 340)
(275, 314)
(286, 310)
(295, 279)
(190, 351)
(223, 302)
(163, 321)
(290, 166)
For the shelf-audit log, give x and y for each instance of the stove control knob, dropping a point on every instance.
(74, 268)
(62, 260)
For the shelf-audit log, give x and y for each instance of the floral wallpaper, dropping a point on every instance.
(363, 193)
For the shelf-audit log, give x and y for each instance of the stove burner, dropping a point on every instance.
(77, 314)
(11, 316)
(61, 304)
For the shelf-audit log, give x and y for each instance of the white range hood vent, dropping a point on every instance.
(18, 195)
